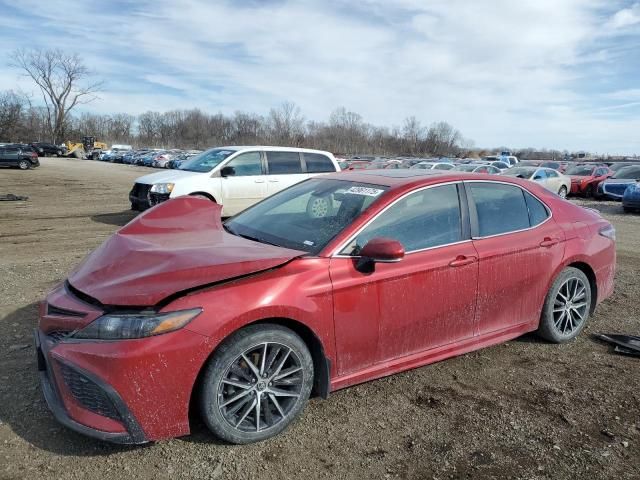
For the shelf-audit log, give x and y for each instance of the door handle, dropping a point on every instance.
(549, 242)
(259, 181)
(462, 260)
(274, 181)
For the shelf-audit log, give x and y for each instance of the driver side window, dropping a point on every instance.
(424, 219)
(246, 164)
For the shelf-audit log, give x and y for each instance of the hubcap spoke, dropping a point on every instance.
(570, 306)
(260, 387)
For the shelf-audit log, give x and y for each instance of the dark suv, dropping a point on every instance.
(45, 149)
(21, 156)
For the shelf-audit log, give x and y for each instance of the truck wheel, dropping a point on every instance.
(77, 153)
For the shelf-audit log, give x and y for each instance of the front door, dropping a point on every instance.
(244, 184)
(424, 301)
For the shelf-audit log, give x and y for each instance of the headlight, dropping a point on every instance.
(114, 326)
(162, 187)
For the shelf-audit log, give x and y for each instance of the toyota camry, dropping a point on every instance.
(332, 282)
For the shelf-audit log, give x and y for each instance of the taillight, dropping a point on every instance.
(609, 231)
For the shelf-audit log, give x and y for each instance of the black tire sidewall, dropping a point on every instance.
(226, 353)
(547, 328)
(566, 192)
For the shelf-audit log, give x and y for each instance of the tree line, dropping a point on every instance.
(344, 132)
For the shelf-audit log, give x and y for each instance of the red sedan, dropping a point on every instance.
(242, 321)
(586, 178)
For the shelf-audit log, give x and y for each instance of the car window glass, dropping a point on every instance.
(318, 163)
(540, 174)
(552, 173)
(246, 164)
(284, 162)
(538, 213)
(428, 218)
(500, 208)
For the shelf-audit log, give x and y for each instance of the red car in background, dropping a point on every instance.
(586, 178)
(242, 321)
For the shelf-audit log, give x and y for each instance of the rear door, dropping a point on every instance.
(519, 245)
(283, 170)
(245, 184)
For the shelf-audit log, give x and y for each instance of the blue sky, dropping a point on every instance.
(540, 73)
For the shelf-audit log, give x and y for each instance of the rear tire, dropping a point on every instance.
(59, 153)
(24, 165)
(245, 397)
(588, 192)
(567, 307)
(563, 192)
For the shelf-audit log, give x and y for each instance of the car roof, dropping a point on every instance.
(406, 179)
(271, 148)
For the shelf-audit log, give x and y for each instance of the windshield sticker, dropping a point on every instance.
(309, 243)
(369, 192)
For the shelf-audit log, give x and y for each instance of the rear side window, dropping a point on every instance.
(284, 162)
(538, 213)
(552, 173)
(318, 163)
(500, 208)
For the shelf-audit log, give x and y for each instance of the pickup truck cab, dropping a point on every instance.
(234, 177)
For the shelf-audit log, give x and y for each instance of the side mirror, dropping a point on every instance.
(227, 172)
(379, 250)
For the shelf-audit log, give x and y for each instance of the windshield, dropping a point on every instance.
(206, 161)
(554, 165)
(306, 216)
(522, 172)
(632, 172)
(580, 171)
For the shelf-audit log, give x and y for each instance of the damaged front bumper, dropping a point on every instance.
(132, 433)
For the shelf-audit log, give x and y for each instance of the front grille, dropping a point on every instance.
(141, 191)
(89, 394)
(63, 312)
(57, 335)
(156, 198)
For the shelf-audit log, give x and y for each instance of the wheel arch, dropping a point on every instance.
(321, 364)
(204, 194)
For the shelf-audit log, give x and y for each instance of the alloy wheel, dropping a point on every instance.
(563, 192)
(260, 387)
(570, 307)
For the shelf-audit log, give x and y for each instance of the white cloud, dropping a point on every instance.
(625, 18)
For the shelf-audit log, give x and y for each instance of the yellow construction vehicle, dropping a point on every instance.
(89, 148)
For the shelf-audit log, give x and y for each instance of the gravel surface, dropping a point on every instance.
(525, 409)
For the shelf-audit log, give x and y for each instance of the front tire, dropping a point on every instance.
(563, 192)
(588, 192)
(567, 307)
(256, 384)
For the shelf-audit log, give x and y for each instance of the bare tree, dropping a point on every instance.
(62, 79)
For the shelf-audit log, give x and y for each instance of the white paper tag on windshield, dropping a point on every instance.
(369, 192)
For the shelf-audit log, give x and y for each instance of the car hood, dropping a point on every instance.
(166, 177)
(176, 246)
(579, 178)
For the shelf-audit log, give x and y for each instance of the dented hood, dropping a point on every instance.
(175, 246)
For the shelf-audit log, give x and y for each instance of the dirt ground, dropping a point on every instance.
(525, 409)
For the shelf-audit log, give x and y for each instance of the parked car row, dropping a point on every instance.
(147, 157)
